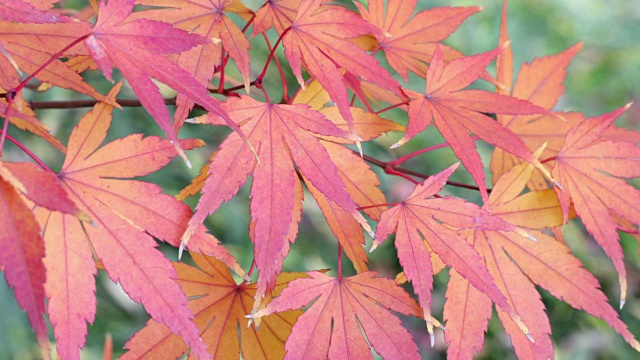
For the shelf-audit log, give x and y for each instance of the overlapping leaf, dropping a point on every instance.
(410, 42)
(22, 246)
(20, 11)
(124, 214)
(588, 169)
(277, 13)
(317, 38)
(343, 307)
(205, 18)
(518, 264)
(283, 136)
(136, 47)
(455, 112)
(421, 224)
(220, 306)
(362, 183)
(28, 46)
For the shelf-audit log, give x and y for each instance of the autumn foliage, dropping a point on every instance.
(548, 167)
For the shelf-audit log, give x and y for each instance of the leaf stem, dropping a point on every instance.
(376, 206)
(402, 159)
(28, 152)
(11, 94)
(548, 159)
(250, 272)
(272, 53)
(339, 260)
(223, 64)
(398, 170)
(285, 88)
(391, 107)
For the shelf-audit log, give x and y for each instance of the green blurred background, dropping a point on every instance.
(604, 76)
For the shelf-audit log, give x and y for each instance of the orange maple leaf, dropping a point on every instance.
(219, 306)
(583, 166)
(518, 264)
(341, 309)
(410, 42)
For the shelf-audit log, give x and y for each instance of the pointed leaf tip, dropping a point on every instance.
(399, 143)
(181, 249)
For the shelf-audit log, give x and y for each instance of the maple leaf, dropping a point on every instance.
(588, 169)
(21, 243)
(21, 258)
(219, 306)
(331, 326)
(140, 58)
(205, 18)
(362, 183)
(23, 247)
(318, 37)
(540, 82)
(410, 42)
(455, 112)
(18, 10)
(518, 264)
(282, 134)
(421, 224)
(277, 13)
(125, 214)
(28, 46)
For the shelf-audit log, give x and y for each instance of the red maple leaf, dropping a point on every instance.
(518, 264)
(455, 112)
(331, 326)
(20, 240)
(125, 214)
(318, 37)
(207, 18)
(136, 47)
(283, 137)
(423, 224)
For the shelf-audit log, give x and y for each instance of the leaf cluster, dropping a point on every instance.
(548, 168)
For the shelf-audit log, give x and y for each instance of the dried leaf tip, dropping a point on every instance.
(557, 184)
(622, 302)
(181, 153)
(373, 247)
(181, 249)
(526, 234)
(505, 45)
(399, 143)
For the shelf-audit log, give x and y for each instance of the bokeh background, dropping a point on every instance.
(604, 76)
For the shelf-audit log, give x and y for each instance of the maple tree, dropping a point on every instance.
(99, 212)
